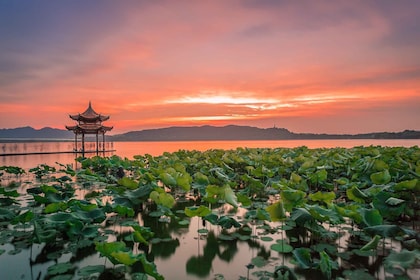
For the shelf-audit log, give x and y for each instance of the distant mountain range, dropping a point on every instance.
(198, 133)
(28, 132)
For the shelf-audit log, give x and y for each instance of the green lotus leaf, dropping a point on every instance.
(393, 201)
(184, 222)
(55, 207)
(128, 183)
(200, 179)
(59, 268)
(229, 196)
(259, 261)
(90, 269)
(381, 177)
(111, 251)
(342, 181)
(163, 198)
(301, 216)
(326, 197)
(243, 199)
(200, 211)
(384, 230)
(322, 214)
(389, 209)
(266, 238)
(303, 257)
(122, 257)
(184, 181)
(149, 267)
(12, 193)
(355, 194)
(296, 178)
(262, 215)
(13, 170)
(380, 165)
(331, 249)
(167, 179)
(203, 231)
(327, 265)
(60, 217)
(212, 218)
(406, 185)
(358, 274)
(24, 217)
(228, 222)
(404, 259)
(371, 217)
(292, 198)
(371, 245)
(276, 211)
(321, 175)
(121, 210)
(281, 246)
(138, 237)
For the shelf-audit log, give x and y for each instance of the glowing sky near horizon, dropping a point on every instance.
(308, 66)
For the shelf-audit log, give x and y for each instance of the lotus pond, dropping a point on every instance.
(248, 213)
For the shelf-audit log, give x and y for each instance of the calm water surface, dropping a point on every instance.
(129, 149)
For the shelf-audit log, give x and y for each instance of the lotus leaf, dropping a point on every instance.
(303, 257)
(371, 245)
(281, 246)
(406, 185)
(404, 259)
(128, 183)
(326, 264)
(276, 211)
(381, 177)
(326, 197)
(90, 269)
(59, 268)
(200, 211)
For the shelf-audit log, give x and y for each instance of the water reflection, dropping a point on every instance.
(129, 149)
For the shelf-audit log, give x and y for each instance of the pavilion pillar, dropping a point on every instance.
(103, 142)
(97, 144)
(75, 142)
(83, 144)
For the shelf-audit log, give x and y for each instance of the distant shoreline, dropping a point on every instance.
(193, 133)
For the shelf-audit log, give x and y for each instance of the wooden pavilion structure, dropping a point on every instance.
(89, 122)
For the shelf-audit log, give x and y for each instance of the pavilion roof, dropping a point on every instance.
(89, 115)
(89, 128)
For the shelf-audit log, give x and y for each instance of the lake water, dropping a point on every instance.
(129, 149)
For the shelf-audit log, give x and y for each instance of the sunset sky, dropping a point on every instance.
(308, 66)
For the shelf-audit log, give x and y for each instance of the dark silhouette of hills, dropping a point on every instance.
(28, 132)
(234, 132)
(197, 133)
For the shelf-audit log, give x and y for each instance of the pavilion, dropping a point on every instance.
(89, 122)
